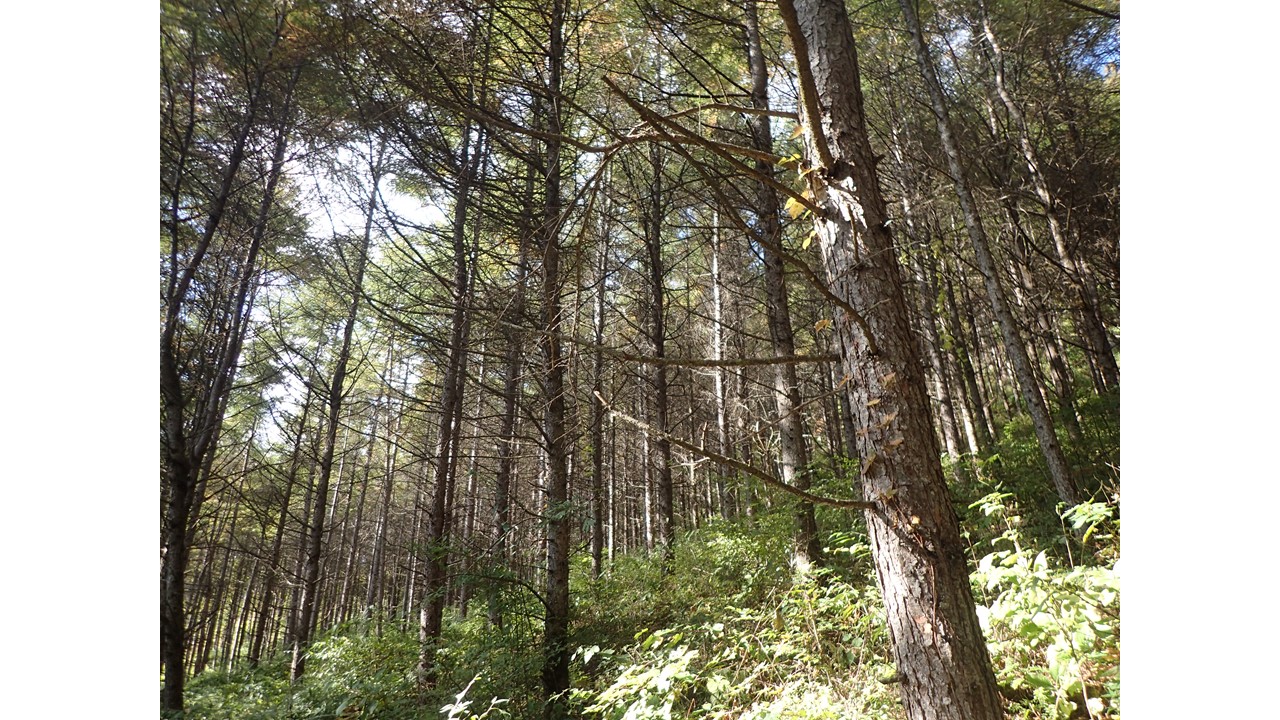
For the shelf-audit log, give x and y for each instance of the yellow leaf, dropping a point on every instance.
(797, 132)
(794, 208)
(873, 402)
(822, 324)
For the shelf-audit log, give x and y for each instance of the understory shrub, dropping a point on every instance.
(731, 631)
(1053, 630)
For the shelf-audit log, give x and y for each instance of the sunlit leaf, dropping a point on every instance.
(794, 208)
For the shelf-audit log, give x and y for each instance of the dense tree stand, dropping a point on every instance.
(608, 317)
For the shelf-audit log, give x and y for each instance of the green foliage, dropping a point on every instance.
(1053, 631)
(499, 669)
(720, 565)
(244, 694)
(353, 673)
(1015, 467)
(350, 674)
(754, 640)
(730, 632)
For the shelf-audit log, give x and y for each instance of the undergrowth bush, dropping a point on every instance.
(756, 640)
(1053, 630)
(355, 673)
(719, 565)
(244, 693)
(351, 673)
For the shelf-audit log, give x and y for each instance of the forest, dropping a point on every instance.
(639, 359)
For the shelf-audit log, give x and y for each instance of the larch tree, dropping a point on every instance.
(938, 645)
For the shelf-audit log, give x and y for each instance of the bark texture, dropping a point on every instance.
(938, 645)
(555, 665)
(431, 617)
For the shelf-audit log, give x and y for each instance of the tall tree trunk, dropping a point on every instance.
(938, 646)
(1059, 471)
(655, 210)
(1065, 385)
(274, 571)
(187, 444)
(513, 319)
(793, 454)
(717, 353)
(961, 350)
(926, 283)
(933, 351)
(374, 592)
(598, 410)
(434, 590)
(471, 501)
(236, 632)
(217, 606)
(613, 488)
(555, 665)
(348, 571)
(1020, 252)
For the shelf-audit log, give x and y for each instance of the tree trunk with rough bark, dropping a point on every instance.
(660, 463)
(941, 656)
(189, 437)
(598, 411)
(513, 318)
(431, 619)
(555, 664)
(720, 387)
